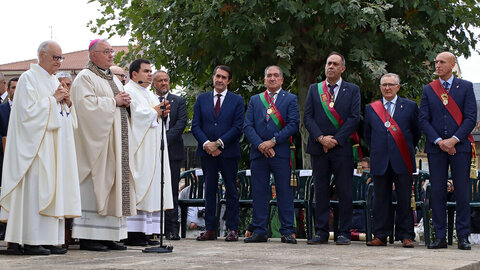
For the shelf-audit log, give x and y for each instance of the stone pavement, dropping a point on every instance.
(191, 254)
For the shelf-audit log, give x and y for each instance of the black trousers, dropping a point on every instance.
(383, 208)
(171, 216)
(342, 169)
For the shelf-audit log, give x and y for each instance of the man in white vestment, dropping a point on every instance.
(40, 185)
(145, 162)
(108, 194)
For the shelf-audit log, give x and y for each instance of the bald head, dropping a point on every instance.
(120, 73)
(444, 64)
(50, 56)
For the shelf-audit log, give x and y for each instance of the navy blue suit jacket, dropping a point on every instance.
(347, 105)
(4, 116)
(258, 129)
(227, 126)
(437, 122)
(178, 121)
(383, 149)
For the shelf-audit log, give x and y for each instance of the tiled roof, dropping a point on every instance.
(73, 61)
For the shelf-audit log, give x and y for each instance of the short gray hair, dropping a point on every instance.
(160, 71)
(63, 74)
(266, 69)
(43, 47)
(397, 78)
(95, 45)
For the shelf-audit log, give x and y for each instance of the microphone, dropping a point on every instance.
(140, 82)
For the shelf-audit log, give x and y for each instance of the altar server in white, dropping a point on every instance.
(145, 154)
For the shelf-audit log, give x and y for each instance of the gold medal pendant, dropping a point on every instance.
(444, 99)
(331, 104)
(269, 111)
(387, 124)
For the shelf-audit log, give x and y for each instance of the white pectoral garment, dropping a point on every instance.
(145, 153)
(38, 131)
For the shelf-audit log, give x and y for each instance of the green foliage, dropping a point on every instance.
(191, 37)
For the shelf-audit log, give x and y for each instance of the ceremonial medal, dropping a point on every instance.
(387, 124)
(331, 104)
(444, 99)
(394, 129)
(269, 111)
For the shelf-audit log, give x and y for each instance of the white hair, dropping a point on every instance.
(95, 45)
(63, 74)
(44, 46)
(397, 78)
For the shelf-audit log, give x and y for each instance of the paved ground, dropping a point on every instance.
(191, 254)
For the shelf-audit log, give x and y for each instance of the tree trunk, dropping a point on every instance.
(306, 75)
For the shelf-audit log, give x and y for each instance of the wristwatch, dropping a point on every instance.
(274, 140)
(218, 144)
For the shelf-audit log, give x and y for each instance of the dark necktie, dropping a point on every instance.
(272, 95)
(217, 104)
(331, 90)
(446, 85)
(389, 107)
(161, 99)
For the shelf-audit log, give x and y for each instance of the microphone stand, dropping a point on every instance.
(161, 248)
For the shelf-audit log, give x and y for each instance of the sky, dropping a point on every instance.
(26, 23)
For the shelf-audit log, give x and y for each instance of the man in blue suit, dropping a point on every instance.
(332, 113)
(392, 132)
(217, 126)
(448, 113)
(272, 118)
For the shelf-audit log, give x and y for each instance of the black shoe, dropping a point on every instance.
(463, 243)
(113, 245)
(256, 238)
(93, 245)
(342, 240)
(289, 239)
(152, 242)
(173, 236)
(439, 243)
(35, 250)
(14, 249)
(317, 240)
(55, 249)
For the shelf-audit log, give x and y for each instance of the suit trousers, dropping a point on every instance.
(228, 168)
(383, 208)
(460, 168)
(171, 216)
(262, 193)
(342, 169)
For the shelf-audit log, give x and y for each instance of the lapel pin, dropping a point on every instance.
(401, 106)
(458, 86)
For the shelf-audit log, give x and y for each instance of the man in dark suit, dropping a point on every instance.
(217, 126)
(392, 132)
(272, 118)
(448, 113)
(332, 113)
(175, 124)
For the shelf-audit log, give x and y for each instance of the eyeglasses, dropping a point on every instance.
(107, 51)
(391, 85)
(123, 76)
(58, 58)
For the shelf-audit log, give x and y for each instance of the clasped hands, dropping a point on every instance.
(163, 109)
(328, 142)
(266, 148)
(448, 145)
(212, 149)
(63, 94)
(122, 99)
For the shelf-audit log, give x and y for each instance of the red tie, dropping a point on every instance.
(217, 105)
